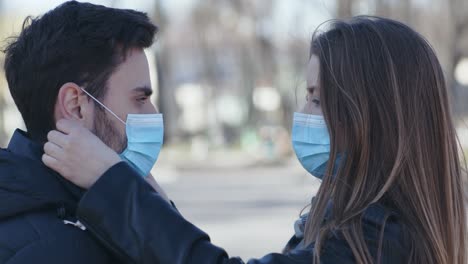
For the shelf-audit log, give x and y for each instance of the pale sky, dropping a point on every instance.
(38, 7)
(312, 12)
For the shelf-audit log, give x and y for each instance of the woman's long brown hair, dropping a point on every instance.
(387, 108)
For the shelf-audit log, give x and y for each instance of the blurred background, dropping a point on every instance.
(229, 74)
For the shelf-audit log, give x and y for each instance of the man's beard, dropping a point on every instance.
(105, 130)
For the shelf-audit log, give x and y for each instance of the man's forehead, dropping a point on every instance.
(132, 75)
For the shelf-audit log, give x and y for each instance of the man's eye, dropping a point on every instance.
(142, 99)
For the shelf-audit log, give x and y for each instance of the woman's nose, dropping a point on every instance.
(311, 109)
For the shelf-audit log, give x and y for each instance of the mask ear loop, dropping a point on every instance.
(101, 104)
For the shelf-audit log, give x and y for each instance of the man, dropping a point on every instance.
(56, 68)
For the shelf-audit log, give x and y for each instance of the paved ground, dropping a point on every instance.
(248, 211)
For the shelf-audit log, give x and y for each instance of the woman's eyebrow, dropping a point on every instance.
(311, 88)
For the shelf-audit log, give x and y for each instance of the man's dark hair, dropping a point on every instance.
(75, 42)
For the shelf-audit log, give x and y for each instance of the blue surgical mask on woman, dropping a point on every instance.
(145, 133)
(311, 142)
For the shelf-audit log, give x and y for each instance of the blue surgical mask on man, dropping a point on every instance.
(145, 133)
(311, 142)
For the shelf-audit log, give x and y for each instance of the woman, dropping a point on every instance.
(392, 195)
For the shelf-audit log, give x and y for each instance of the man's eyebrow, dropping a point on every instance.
(143, 89)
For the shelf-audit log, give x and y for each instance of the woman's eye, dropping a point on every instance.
(310, 92)
(316, 101)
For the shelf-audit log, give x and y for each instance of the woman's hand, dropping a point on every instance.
(77, 154)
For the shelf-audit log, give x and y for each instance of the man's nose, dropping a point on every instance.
(152, 109)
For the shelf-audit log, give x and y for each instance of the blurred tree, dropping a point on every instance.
(344, 8)
(400, 10)
(3, 136)
(444, 23)
(458, 47)
(166, 96)
(236, 50)
(257, 60)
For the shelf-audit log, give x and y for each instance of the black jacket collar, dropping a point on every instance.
(27, 184)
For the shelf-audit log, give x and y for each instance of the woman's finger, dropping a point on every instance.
(53, 150)
(65, 126)
(57, 137)
(52, 163)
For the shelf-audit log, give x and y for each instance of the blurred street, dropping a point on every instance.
(249, 211)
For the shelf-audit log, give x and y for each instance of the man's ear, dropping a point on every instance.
(72, 103)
